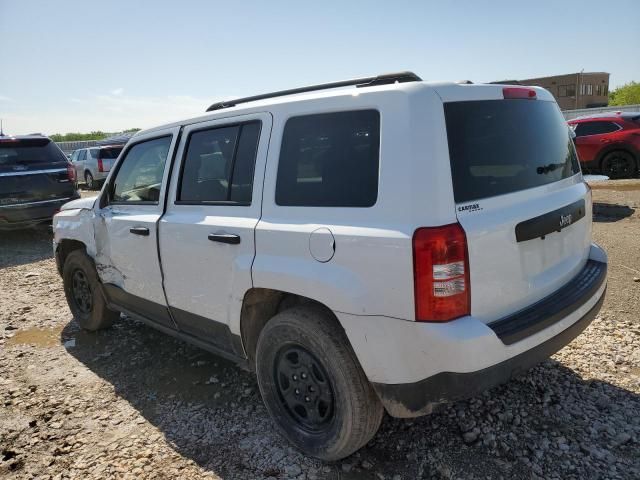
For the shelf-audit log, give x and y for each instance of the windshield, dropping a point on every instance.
(502, 146)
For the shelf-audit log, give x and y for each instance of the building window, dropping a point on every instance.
(589, 89)
(567, 90)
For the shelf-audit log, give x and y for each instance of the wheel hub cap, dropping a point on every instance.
(81, 291)
(304, 388)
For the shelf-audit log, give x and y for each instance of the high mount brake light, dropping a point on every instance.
(516, 92)
(441, 273)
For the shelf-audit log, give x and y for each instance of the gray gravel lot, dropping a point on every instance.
(130, 402)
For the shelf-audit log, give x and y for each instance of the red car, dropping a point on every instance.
(609, 143)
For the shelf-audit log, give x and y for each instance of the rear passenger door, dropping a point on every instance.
(207, 233)
(591, 137)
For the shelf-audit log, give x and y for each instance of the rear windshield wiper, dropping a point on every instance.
(549, 168)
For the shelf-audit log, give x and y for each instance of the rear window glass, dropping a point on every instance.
(503, 146)
(16, 154)
(330, 160)
(109, 152)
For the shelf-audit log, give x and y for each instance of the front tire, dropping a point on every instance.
(313, 386)
(84, 294)
(618, 164)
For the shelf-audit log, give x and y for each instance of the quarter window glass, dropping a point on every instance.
(94, 152)
(219, 164)
(330, 160)
(139, 179)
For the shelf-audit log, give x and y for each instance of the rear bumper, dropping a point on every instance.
(415, 366)
(419, 398)
(13, 217)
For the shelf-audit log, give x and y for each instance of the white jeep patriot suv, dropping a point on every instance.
(367, 245)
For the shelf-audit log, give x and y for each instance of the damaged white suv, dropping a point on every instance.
(368, 245)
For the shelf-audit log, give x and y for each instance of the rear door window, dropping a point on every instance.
(219, 164)
(595, 128)
(503, 146)
(330, 160)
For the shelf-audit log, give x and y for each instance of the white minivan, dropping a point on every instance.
(380, 244)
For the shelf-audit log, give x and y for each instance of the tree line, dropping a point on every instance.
(95, 135)
(627, 94)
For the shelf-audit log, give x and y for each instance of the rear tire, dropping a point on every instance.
(88, 180)
(313, 386)
(84, 293)
(618, 164)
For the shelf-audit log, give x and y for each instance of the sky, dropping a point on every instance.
(85, 65)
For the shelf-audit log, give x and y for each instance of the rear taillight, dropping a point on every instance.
(100, 167)
(517, 92)
(71, 172)
(441, 273)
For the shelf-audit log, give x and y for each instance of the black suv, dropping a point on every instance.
(35, 180)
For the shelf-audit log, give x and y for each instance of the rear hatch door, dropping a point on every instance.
(32, 170)
(519, 195)
(108, 155)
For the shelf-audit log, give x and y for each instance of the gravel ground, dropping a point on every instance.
(130, 402)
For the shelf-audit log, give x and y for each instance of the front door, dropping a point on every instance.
(207, 233)
(126, 230)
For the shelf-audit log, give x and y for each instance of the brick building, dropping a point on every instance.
(573, 90)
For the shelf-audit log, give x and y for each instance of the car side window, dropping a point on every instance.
(595, 128)
(219, 164)
(94, 153)
(83, 155)
(139, 177)
(330, 160)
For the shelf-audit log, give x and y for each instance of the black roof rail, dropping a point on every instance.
(384, 79)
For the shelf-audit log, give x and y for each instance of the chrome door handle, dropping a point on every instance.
(229, 238)
(144, 231)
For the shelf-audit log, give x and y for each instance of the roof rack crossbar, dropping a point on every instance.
(384, 79)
